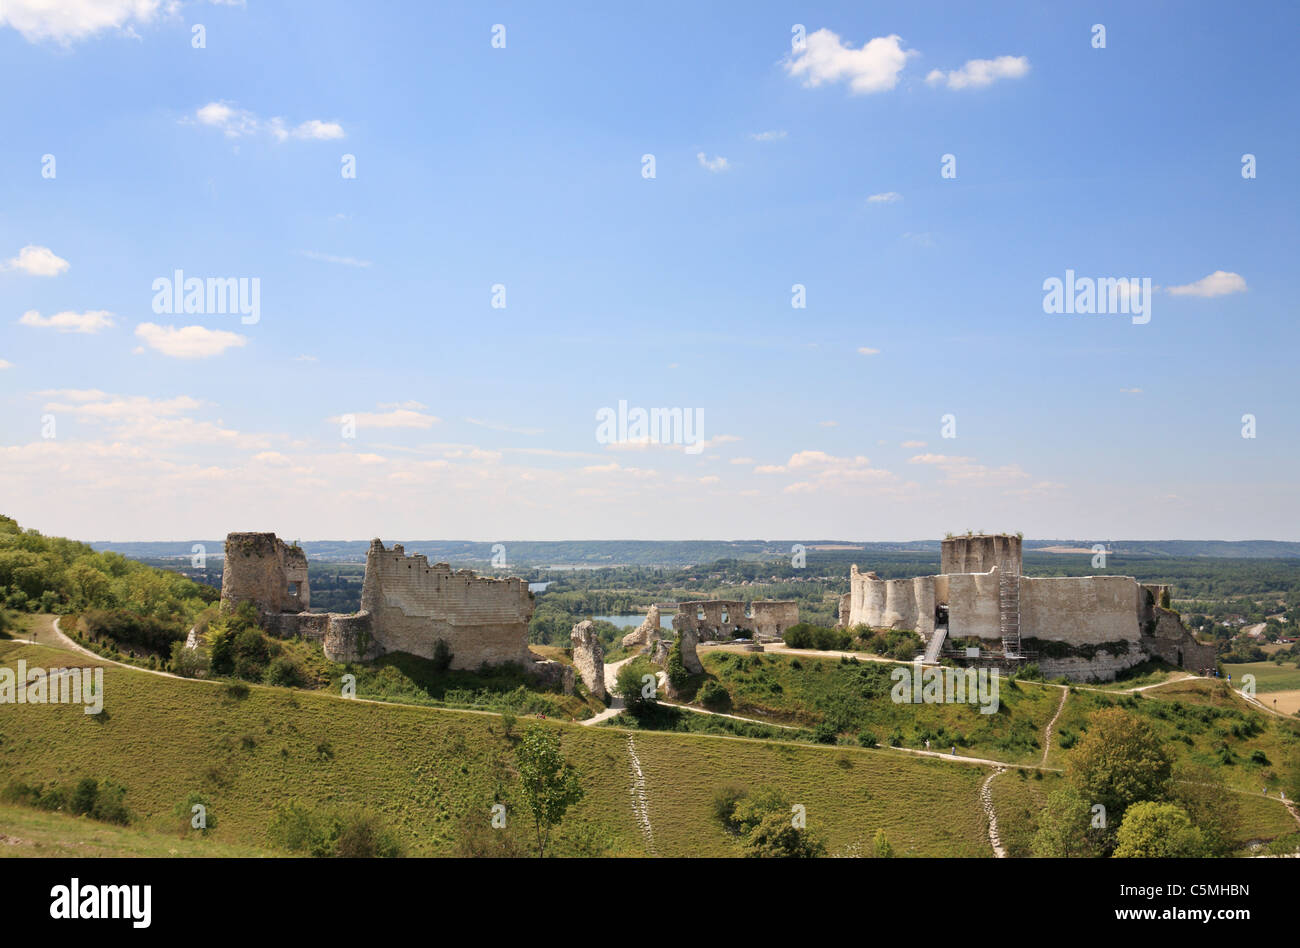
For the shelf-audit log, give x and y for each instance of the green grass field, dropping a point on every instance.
(434, 774)
(1268, 677)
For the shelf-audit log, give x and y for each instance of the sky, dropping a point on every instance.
(825, 233)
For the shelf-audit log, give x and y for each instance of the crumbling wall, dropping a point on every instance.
(979, 554)
(258, 568)
(589, 657)
(413, 604)
(771, 617)
(722, 618)
(647, 633)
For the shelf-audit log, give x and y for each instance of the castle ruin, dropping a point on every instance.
(727, 618)
(1077, 626)
(407, 604)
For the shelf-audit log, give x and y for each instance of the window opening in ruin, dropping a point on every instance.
(724, 615)
(293, 589)
(699, 613)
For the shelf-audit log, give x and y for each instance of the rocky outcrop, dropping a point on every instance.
(646, 634)
(589, 658)
(660, 653)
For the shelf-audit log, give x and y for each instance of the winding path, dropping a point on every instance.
(986, 800)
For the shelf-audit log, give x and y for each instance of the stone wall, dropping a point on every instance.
(724, 618)
(1080, 610)
(979, 554)
(1076, 610)
(413, 604)
(258, 568)
(589, 657)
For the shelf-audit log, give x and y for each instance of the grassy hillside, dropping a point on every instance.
(854, 697)
(434, 774)
(1202, 723)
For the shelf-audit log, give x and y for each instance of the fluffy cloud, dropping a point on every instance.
(67, 21)
(885, 197)
(91, 321)
(238, 123)
(873, 68)
(1218, 283)
(867, 351)
(188, 342)
(981, 72)
(715, 164)
(772, 136)
(36, 261)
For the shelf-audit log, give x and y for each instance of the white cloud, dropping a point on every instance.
(867, 351)
(873, 68)
(305, 358)
(91, 321)
(36, 261)
(981, 72)
(715, 164)
(6, 364)
(399, 417)
(1218, 283)
(913, 444)
(772, 136)
(1131, 391)
(317, 130)
(327, 258)
(828, 424)
(67, 21)
(237, 123)
(188, 342)
(964, 470)
(885, 197)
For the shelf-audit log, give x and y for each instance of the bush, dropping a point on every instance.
(286, 673)
(188, 662)
(714, 696)
(126, 630)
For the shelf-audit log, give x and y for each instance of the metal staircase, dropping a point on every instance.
(1009, 609)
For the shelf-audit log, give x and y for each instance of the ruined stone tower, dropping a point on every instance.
(263, 569)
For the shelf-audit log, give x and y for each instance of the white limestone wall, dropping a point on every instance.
(1080, 610)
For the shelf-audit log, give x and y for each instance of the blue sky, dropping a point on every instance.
(522, 166)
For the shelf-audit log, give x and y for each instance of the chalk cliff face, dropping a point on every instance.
(589, 657)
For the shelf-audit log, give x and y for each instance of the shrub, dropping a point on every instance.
(188, 662)
(714, 696)
(286, 673)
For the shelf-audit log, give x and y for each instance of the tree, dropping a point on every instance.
(550, 784)
(1154, 830)
(1119, 762)
(1065, 827)
(765, 821)
(630, 686)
